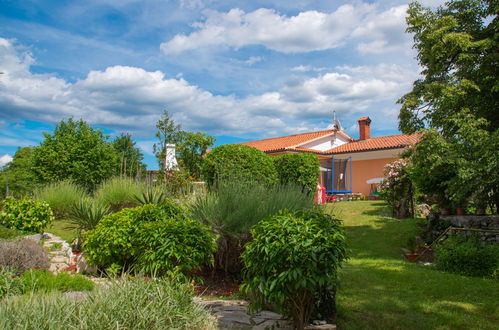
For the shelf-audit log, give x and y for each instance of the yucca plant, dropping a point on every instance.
(86, 214)
(150, 197)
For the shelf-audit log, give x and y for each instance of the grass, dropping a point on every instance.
(380, 290)
(60, 227)
(125, 304)
(6, 233)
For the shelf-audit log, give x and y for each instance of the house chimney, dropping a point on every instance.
(364, 128)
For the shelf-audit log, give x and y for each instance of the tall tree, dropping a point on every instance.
(19, 173)
(458, 50)
(130, 157)
(77, 152)
(191, 150)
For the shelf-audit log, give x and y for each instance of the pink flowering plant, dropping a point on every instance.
(397, 189)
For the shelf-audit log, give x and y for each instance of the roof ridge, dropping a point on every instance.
(287, 136)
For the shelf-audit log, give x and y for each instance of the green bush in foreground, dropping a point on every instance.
(292, 263)
(153, 238)
(467, 256)
(154, 304)
(41, 280)
(25, 214)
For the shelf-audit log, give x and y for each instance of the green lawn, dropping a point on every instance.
(6, 233)
(60, 228)
(380, 290)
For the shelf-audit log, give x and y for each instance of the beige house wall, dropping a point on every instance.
(364, 170)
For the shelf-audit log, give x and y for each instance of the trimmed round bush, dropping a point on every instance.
(298, 168)
(151, 238)
(22, 254)
(468, 256)
(239, 162)
(25, 214)
(292, 262)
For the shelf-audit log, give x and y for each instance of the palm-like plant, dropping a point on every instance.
(150, 197)
(86, 214)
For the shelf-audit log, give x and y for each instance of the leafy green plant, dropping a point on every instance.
(61, 196)
(118, 193)
(292, 260)
(298, 168)
(7, 233)
(232, 208)
(25, 214)
(22, 254)
(41, 280)
(467, 256)
(397, 189)
(151, 238)
(240, 163)
(150, 197)
(10, 283)
(86, 214)
(126, 304)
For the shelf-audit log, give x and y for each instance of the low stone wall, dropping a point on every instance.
(477, 222)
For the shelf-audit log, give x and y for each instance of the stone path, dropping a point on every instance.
(61, 256)
(232, 314)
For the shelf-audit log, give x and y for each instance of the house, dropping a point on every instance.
(347, 165)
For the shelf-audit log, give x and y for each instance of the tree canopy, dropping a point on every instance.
(19, 173)
(76, 152)
(129, 156)
(458, 51)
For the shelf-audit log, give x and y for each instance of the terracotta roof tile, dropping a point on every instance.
(286, 142)
(376, 143)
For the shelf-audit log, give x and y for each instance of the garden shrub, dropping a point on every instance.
(292, 261)
(22, 254)
(397, 189)
(61, 196)
(86, 214)
(25, 214)
(41, 280)
(125, 304)
(232, 208)
(150, 236)
(238, 162)
(468, 256)
(298, 168)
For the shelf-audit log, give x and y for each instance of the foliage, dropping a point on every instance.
(19, 173)
(75, 152)
(232, 208)
(10, 283)
(150, 238)
(7, 233)
(168, 133)
(86, 214)
(293, 257)
(239, 162)
(125, 304)
(177, 183)
(457, 49)
(130, 157)
(150, 196)
(172, 245)
(25, 214)
(61, 196)
(298, 168)
(397, 189)
(191, 151)
(22, 254)
(118, 193)
(41, 280)
(467, 256)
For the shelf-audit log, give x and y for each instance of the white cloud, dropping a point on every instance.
(5, 159)
(131, 98)
(253, 59)
(375, 31)
(307, 31)
(307, 68)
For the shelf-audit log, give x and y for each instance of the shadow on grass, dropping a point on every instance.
(383, 295)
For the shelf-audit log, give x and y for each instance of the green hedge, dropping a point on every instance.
(239, 162)
(25, 214)
(151, 238)
(298, 168)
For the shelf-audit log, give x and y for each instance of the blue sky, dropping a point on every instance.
(238, 70)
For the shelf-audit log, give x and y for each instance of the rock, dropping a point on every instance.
(36, 237)
(269, 315)
(82, 265)
(321, 327)
(275, 325)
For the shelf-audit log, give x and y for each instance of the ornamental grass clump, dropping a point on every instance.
(118, 193)
(231, 208)
(61, 196)
(292, 263)
(125, 304)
